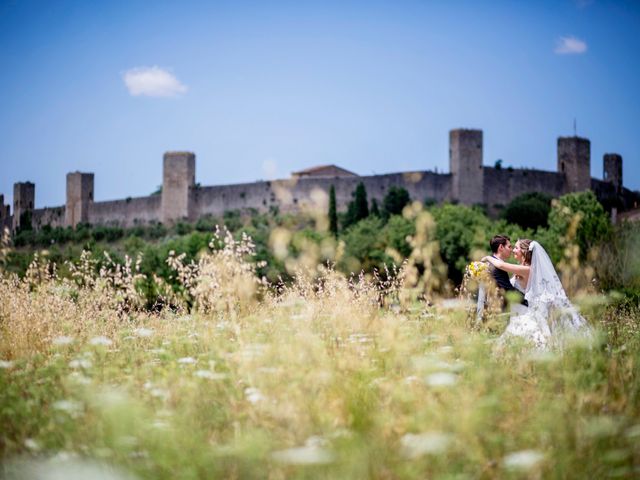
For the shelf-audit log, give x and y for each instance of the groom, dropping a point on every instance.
(501, 248)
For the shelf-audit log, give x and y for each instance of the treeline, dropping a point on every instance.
(367, 236)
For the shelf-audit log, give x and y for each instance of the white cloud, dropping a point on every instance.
(570, 45)
(152, 82)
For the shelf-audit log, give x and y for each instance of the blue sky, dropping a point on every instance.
(259, 89)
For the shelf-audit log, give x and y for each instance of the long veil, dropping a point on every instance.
(547, 298)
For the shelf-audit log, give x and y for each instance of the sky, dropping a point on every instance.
(260, 89)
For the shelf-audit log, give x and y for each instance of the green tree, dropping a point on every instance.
(394, 201)
(358, 208)
(460, 230)
(594, 225)
(375, 210)
(333, 212)
(396, 232)
(364, 246)
(529, 210)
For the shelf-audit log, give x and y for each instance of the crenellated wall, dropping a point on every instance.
(469, 183)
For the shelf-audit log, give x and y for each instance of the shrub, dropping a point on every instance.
(460, 231)
(529, 210)
(364, 244)
(593, 224)
(394, 201)
(358, 208)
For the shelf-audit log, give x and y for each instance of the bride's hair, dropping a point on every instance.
(526, 253)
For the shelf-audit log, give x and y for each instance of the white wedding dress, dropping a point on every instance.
(550, 319)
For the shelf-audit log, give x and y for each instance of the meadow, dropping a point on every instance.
(327, 375)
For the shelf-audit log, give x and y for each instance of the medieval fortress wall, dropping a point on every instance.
(469, 182)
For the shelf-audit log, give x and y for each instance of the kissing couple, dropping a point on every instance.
(544, 317)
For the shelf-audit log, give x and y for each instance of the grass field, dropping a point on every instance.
(330, 378)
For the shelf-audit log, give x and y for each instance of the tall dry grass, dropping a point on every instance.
(326, 377)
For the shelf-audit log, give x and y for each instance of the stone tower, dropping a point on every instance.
(612, 169)
(79, 196)
(465, 164)
(4, 210)
(24, 199)
(574, 160)
(178, 181)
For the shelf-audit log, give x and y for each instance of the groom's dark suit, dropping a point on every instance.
(502, 280)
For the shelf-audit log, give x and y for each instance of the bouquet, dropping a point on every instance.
(476, 270)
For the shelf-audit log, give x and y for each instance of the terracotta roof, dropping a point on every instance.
(319, 169)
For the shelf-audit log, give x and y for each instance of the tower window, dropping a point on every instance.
(562, 166)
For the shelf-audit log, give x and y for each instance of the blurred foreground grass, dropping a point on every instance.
(322, 387)
(328, 377)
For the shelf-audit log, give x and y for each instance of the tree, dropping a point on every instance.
(593, 227)
(364, 246)
(375, 211)
(461, 231)
(395, 234)
(394, 201)
(529, 210)
(358, 208)
(333, 213)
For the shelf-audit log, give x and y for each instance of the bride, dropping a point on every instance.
(550, 318)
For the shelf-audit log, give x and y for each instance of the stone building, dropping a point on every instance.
(469, 181)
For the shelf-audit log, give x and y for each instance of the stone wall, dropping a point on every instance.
(612, 197)
(127, 212)
(53, 216)
(292, 195)
(503, 185)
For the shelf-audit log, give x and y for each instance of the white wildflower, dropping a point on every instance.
(307, 455)
(523, 460)
(143, 332)
(100, 341)
(31, 444)
(80, 363)
(160, 424)
(62, 340)
(159, 393)
(79, 378)
(453, 304)
(415, 445)
(66, 465)
(441, 379)
(253, 395)
(253, 350)
(6, 364)
(187, 361)
(71, 407)
(209, 375)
